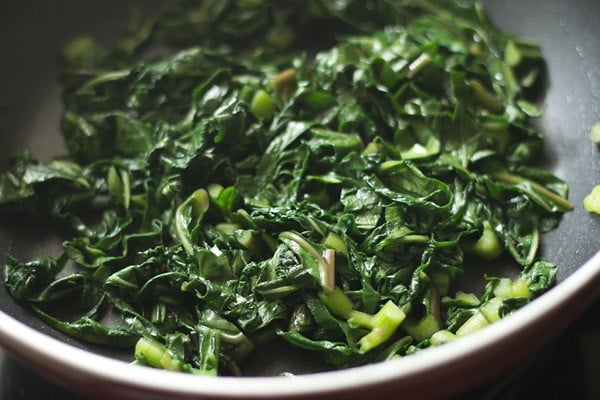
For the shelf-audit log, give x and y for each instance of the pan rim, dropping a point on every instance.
(64, 362)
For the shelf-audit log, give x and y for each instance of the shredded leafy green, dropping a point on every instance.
(595, 134)
(591, 202)
(317, 171)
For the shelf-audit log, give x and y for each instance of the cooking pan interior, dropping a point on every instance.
(32, 33)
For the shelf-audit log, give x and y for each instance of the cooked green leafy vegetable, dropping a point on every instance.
(317, 171)
(595, 133)
(591, 202)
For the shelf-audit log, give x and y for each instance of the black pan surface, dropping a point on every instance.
(32, 32)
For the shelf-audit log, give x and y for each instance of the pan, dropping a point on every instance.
(33, 31)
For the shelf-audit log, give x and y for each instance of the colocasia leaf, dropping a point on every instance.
(317, 171)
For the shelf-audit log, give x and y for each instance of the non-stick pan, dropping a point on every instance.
(31, 34)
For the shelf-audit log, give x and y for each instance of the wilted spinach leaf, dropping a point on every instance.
(320, 171)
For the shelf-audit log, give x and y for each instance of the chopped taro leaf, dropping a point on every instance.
(254, 183)
(591, 202)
